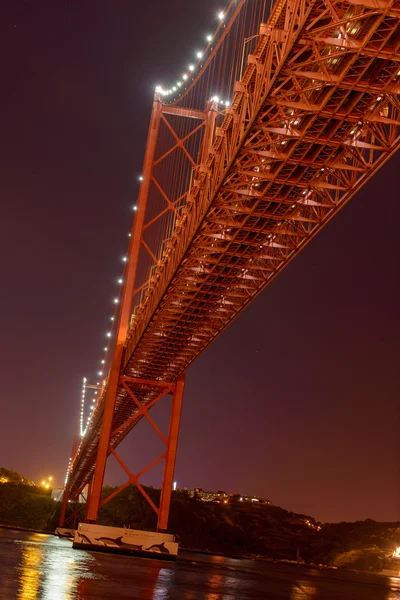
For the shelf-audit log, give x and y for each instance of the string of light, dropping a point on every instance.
(197, 65)
(103, 361)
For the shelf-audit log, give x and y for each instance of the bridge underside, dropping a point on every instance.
(315, 116)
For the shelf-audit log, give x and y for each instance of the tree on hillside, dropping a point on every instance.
(8, 476)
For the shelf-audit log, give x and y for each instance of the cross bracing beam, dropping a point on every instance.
(316, 114)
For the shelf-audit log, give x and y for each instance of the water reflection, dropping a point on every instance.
(394, 593)
(49, 570)
(215, 582)
(40, 567)
(303, 590)
(29, 580)
(164, 583)
(225, 587)
(60, 576)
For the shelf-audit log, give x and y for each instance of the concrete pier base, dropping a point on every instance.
(65, 532)
(119, 540)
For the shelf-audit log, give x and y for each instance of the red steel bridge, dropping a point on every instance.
(290, 108)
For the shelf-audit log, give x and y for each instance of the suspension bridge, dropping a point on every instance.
(290, 108)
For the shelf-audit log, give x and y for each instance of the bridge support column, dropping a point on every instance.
(64, 506)
(170, 457)
(124, 318)
(159, 390)
(89, 493)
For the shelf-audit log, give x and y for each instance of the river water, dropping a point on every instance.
(34, 565)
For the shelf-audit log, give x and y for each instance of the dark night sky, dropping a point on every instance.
(298, 400)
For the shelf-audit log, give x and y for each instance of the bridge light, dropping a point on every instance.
(184, 76)
(124, 259)
(191, 67)
(199, 54)
(209, 38)
(221, 16)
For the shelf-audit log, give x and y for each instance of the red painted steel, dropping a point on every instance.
(170, 457)
(314, 116)
(124, 318)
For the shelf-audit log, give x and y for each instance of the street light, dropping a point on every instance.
(46, 483)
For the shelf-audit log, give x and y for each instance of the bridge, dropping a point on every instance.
(291, 107)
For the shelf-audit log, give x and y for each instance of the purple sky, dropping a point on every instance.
(298, 400)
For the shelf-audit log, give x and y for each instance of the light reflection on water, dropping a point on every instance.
(36, 567)
(164, 583)
(49, 569)
(394, 594)
(303, 590)
(30, 576)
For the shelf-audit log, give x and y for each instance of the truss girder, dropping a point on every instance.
(315, 116)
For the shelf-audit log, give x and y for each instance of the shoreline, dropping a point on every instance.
(16, 528)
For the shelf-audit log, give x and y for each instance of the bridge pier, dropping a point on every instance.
(170, 458)
(90, 536)
(158, 390)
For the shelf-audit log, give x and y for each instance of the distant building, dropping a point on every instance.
(219, 496)
(254, 499)
(222, 497)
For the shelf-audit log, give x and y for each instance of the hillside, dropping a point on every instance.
(26, 506)
(7, 476)
(259, 530)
